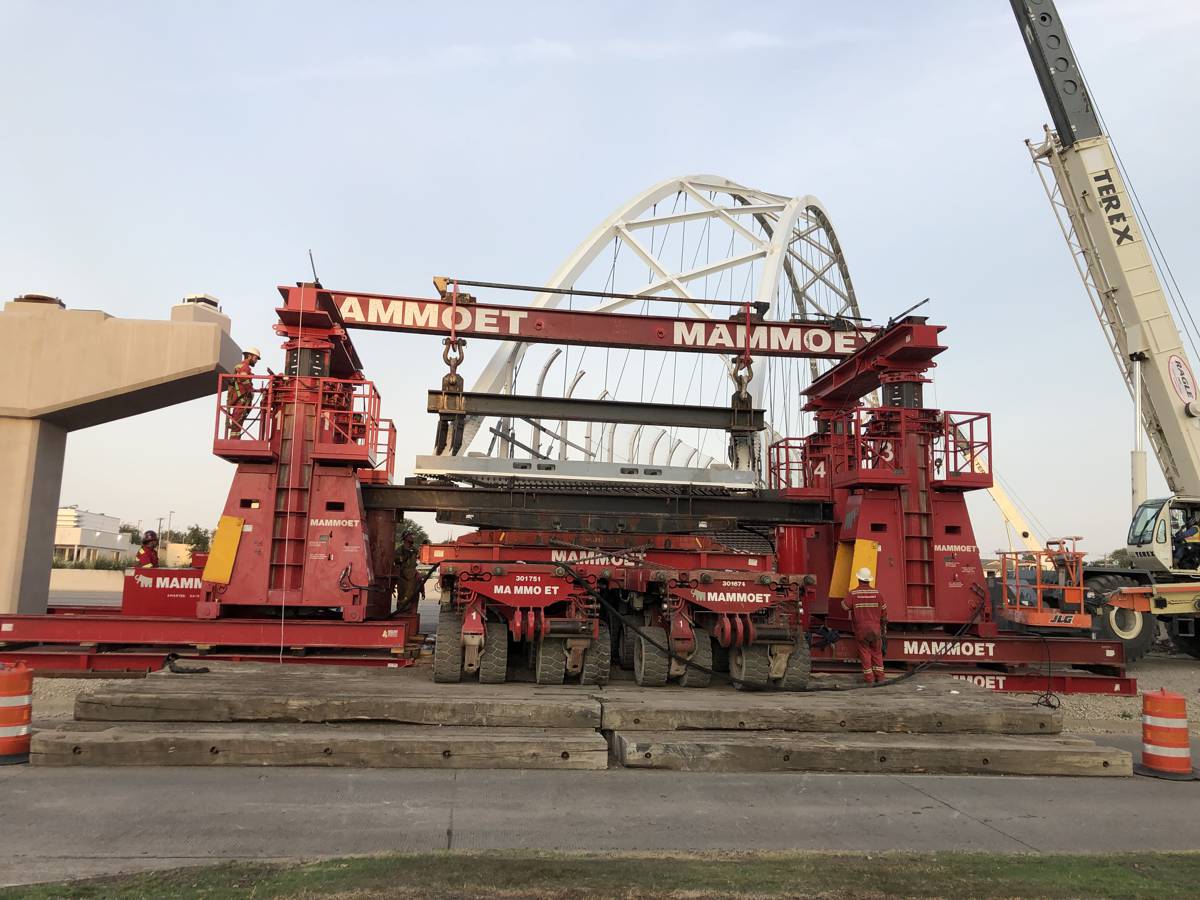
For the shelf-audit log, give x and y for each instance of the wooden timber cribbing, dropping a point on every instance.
(936, 705)
(354, 745)
(789, 751)
(256, 714)
(273, 697)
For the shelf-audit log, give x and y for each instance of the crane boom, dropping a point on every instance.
(1100, 224)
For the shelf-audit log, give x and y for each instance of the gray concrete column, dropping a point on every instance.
(104, 369)
(31, 460)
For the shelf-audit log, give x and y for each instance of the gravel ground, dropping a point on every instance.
(54, 698)
(1100, 714)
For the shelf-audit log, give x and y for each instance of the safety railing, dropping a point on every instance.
(874, 448)
(243, 426)
(385, 456)
(1045, 588)
(794, 465)
(961, 456)
(347, 422)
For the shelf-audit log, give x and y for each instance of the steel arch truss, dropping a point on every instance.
(758, 246)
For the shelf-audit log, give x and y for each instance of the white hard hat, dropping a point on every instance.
(864, 574)
(252, 351)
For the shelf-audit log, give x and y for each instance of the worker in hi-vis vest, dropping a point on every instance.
(239, 397)
(147, 557)
(869, 615)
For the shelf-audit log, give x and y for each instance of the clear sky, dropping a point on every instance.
(157, 149)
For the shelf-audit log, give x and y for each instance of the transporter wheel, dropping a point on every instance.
(628, 645)
(799, 667)
(447, 649)
(1184, 643)
(493, 660)
(550, 661)
(701, 656)
(720, 657)
(751, 666)
(597, 659)
(651, 665)
(1135, 630)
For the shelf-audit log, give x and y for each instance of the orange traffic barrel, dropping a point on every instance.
(16, 712)
(1166, 747)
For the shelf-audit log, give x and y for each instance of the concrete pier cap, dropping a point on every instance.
(66, 369)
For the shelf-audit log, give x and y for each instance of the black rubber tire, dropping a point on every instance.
(651, 666)
(751, 666)
(493, 659)
(597, 659)
(550, 661)
(1184, 643)
(701, 656)
(720, 657)
(799, 668)
(628, 642)
(447, 649)
(1136, 631)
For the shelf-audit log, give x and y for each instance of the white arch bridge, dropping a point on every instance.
(669, 249)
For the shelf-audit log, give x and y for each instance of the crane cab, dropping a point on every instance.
(1164, 536)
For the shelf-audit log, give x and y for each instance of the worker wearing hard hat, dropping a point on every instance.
(147, 557)
(868, 612)
(239, 398)
(409, 584)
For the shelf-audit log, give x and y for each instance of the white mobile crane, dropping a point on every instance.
(1079, 169)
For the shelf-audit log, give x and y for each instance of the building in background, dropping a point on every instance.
(175, 555)
(82, 536)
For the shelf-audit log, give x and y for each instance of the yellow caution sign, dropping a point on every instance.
(852, 556)
(219, 568)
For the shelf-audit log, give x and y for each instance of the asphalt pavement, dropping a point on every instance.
(64, 823)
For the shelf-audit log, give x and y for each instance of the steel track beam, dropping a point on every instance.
(594, 510)
(574, 409)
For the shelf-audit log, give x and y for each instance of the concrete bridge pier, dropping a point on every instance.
(63, 370)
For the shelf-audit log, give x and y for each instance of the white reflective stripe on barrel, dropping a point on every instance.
(1153, 750)
(13, 731)
(1160, 721)
(16, 701)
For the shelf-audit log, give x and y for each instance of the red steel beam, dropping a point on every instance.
(546, 325)
(391, 634)
(1008, 649)
(60, 660)
(906, 347)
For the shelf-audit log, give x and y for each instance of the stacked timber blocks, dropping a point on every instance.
(266, 715)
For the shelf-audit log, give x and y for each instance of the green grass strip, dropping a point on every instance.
(563, 875)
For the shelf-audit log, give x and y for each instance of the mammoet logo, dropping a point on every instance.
(332, 523)
(174, 581)
(955, 548)
(1120, 224)
(750, 598)
(950, 648)
(991, 682)
(763, 337)
(591, 558)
